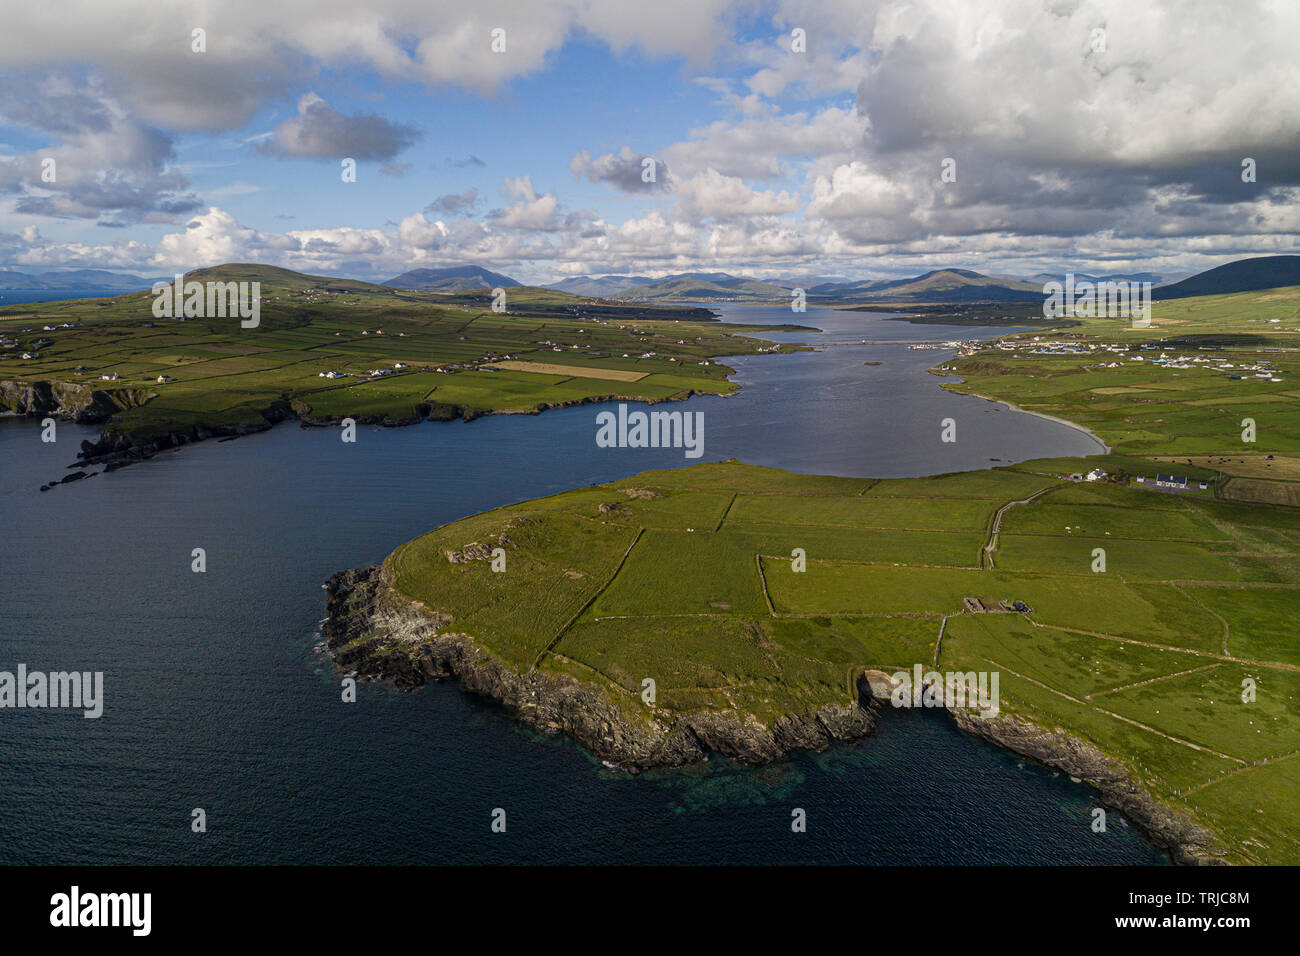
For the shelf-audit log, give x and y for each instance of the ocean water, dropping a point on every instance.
(23, 296)
(215, 698)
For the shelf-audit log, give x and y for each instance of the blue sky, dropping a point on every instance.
(1091, 136)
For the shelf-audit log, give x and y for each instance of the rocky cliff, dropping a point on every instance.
(1173, 832)
(372, 630)
(69, 401)
(114, 449)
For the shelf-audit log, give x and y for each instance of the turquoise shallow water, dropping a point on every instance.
(216, 699)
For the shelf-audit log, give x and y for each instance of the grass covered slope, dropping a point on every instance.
(565, 350)
(686, 577)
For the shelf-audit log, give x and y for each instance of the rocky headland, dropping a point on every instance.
(375, 633)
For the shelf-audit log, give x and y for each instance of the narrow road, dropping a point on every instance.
(987, 552)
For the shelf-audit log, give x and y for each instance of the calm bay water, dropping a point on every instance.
(24, 296)
(215, 698)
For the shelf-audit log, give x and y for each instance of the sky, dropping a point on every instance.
(789, 138)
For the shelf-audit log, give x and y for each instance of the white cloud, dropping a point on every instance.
(258, 50)
(827, 160)
(711, 195)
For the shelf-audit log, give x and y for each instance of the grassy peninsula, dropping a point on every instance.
(1133, 678)
(327, 348)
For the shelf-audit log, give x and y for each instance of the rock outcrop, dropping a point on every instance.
(376, 633)
(82, 404)
(115, 449)
(1168, 829)
(372, 630)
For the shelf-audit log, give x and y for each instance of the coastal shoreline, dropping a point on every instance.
(119, 449)
(1106, 448)
(372, 632)
(1173, 832)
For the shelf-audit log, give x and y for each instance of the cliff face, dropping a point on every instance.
(69, 401)
(87, 405)
(377, 633)
(1185, 842)
(114, 449)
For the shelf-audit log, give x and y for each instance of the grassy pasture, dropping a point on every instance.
(311, 325)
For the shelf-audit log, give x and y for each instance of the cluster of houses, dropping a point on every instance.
(1260, 370)
(373, 373)
(31, 353)
(961, 345)
(556, 347)
(8, 342)
(1169, 482)
(1174, 482)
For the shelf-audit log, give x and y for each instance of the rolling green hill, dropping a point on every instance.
(1244, 275)
(327, 349)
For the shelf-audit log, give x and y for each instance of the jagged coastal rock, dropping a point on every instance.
(372, 630)
(376, 633)
(82, 404)
(116, 448)
(1173, 832)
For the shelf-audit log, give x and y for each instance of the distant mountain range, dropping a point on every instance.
(1154, 278)
(940, 286)
(450, 279)
(612, 285)
(703, 286)
(90, 280)
(597, 286)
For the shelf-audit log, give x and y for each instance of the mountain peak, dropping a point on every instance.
(450, 279)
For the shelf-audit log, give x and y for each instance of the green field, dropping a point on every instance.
(445, 344)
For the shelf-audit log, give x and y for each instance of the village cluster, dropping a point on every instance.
(1164, 358)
